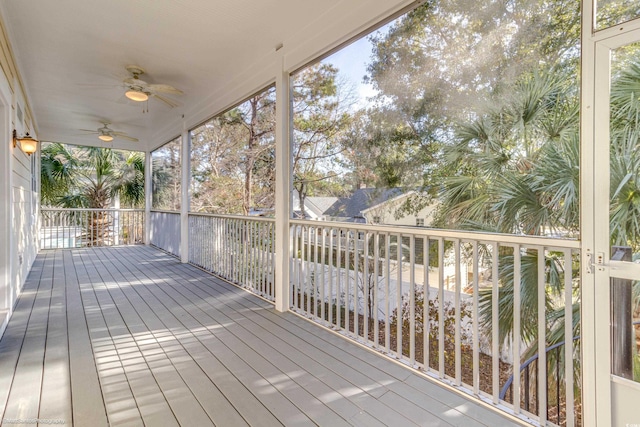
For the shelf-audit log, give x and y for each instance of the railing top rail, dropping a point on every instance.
(47, 209)
(515, 239)
(242, 217)
(165, 212)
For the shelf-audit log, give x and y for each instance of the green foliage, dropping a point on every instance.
(321, 116)
(57, 172)
(166, 176)
(90, 177)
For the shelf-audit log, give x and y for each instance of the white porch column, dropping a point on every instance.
(185, 165)
(148, 197)
(283, 188)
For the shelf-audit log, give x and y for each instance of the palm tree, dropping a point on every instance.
(91, 178)
(516, 169)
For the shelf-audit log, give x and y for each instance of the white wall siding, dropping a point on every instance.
(19, 202)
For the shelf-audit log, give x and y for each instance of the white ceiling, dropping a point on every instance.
(71, 55)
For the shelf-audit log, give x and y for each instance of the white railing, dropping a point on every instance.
(239, 249)
(164, 231)
(73, 228)
(436, 300)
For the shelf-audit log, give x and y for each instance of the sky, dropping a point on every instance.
(351, 62)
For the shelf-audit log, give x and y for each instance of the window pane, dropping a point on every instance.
(624, 207)
(614, 12)
(233, 160)
(166, 176)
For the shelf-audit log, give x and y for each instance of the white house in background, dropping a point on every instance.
(367, 206)
(314, 207)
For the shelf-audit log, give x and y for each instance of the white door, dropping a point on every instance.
(616, 209)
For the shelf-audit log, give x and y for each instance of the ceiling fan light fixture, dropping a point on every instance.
(136, 95)
(106, 138)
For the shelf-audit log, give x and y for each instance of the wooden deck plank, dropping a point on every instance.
(131, 336)
(24, 398)
(15, 333)
(181, 321)
(159, 395)
(303, 400)
(381, 411)
(350, 403)
(86, 396)
(446, 405)
(219, 408)
(214, 402)
(55, 400)
(316, 388)
(360, 392)
(184, 404)
(120, 405)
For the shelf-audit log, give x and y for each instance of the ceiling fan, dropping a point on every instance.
(139, 90)
(105, 133)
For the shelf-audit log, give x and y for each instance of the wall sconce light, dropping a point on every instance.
(27, 144)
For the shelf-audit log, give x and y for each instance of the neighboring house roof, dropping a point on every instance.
(362, 200)
(315, 207)
(349, 209)
(320, 205)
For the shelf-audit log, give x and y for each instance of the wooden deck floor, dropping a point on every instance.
(129, 336)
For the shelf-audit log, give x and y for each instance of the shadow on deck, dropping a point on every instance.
(130, 336)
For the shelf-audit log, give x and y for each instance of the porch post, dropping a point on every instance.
(148, 197)
(185, 167)
(283, 187)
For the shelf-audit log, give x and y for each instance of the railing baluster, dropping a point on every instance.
(542, 339)
(387, 293)
(316, 275)
(495, 323)
(441, 366)
(558, 385)
(78, 227)
(517, 278)
(365, 288)
(338, 277)
(458, 314)
(527, 386)
(347, 283)
(322, 274)
(425, 304)
(331, 275)
(568, 332)
(376, 296)
(399, 317)
(412, 300)
(476, 320)
(308, 277)
(356, 282)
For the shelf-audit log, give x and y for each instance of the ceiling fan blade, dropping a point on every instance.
(135, 82)
(164, 89)
(90, 131)
(171, 103)
(97, 86)
(128, 138)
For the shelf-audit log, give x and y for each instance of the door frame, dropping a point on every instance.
(596, 266)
